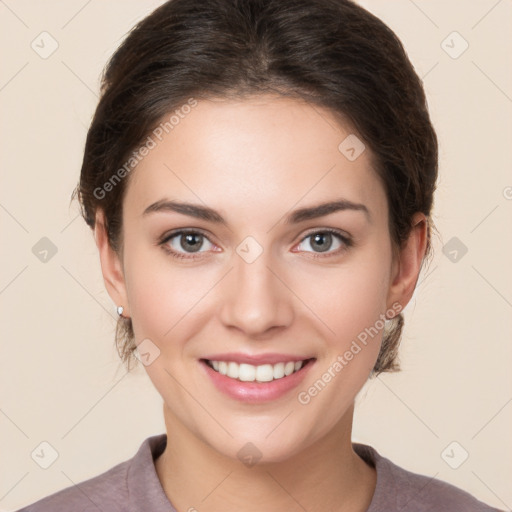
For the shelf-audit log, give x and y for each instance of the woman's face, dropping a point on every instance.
(263, 275)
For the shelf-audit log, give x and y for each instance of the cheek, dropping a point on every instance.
(156, 293)
(351, 298)
(352, 307)
(165, 298)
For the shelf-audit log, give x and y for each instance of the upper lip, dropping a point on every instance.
(256, 359)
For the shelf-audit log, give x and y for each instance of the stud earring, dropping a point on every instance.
(120, 310)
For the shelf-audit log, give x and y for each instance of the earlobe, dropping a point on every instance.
(111, 267)
(408, 261)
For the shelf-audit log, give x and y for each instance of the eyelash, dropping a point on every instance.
(346, 240)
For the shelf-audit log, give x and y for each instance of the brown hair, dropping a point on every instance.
(332, 53)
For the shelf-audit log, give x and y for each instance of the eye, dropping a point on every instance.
(186, 244)
(323, 240)
(183, 244)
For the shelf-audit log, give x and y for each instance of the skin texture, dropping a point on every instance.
(254, 161)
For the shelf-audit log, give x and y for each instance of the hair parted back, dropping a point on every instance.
(331, 53)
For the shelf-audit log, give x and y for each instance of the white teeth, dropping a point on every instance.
(279, 370)
(247, 372)
(265, 373)
(233, 370)
(223, 367)
(250, 373)
(289, 368)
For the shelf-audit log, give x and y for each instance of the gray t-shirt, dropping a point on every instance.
(133, 486)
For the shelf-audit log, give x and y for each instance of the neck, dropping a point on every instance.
(327, 475)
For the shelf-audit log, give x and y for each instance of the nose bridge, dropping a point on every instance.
(256, 300)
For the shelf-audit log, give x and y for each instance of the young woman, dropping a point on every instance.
(259, 176)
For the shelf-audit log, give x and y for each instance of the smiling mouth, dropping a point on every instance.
(261, 373)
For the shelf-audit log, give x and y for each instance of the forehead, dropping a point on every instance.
(263, 152)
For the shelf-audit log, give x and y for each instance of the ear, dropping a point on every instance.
(111, 266)
(407, 263)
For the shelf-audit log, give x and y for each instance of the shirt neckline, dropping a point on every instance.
(145, 490)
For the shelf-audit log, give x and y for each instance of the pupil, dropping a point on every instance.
(323, 246)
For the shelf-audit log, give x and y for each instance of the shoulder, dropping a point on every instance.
(114, 490)
(108, 488)
(400, 489)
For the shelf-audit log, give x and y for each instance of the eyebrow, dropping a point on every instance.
(299, 215)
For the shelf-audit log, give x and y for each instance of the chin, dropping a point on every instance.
(260, 448)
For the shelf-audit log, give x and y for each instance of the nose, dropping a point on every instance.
(256, 299)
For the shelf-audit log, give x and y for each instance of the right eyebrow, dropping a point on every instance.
(192, 210)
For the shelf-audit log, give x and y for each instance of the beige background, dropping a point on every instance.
(61, 380)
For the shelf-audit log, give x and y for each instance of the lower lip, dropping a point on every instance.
(256, 392)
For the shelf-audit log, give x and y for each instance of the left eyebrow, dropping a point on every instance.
(299, 215)
(312, 212)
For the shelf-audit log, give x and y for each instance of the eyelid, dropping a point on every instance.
(339, 232)
(184, 231)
